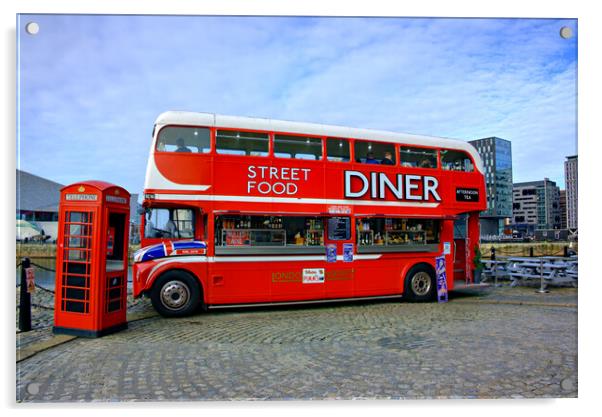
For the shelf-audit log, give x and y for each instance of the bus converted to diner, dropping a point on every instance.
(247, 211)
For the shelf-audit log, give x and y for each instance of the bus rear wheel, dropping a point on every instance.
(420, 284)
(176, 294)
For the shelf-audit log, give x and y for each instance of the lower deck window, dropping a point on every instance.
(268, 231)
(396, 232)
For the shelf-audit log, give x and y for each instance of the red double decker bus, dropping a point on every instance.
(245, 211)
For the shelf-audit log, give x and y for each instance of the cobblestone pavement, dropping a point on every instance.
(475, 346)
(42, 316)
(513, 295)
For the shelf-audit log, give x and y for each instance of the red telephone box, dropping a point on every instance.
(92, 259)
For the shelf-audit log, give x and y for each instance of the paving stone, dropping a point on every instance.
(475, 346)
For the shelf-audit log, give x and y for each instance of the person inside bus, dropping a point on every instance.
(388, 159)
(170, 227)
(149, 228)
(425, 164)
(182, 146)
(370, 159)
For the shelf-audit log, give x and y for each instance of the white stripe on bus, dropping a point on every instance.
(254, 199)
(193, 259)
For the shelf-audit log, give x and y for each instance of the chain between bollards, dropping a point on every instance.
(24, 299)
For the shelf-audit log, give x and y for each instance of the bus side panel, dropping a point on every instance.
(386, 275)
(340, 280)
(380, 276)
(184, 167)
(238, 282)
(292, 281)
(146, 274)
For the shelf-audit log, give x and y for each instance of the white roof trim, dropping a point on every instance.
(237, 122)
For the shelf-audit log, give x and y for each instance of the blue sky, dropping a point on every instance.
(91, 86)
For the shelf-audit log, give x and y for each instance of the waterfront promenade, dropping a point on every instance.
(487, 343)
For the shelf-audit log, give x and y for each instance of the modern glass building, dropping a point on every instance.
(497, 160)
(570, 179)
(537, 205)
(563, 214)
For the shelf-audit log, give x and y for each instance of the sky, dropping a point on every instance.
(90, 87)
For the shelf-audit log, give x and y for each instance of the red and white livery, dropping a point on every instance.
(270, 211)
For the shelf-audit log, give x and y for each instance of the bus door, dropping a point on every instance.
(460, 249)
(340, 250)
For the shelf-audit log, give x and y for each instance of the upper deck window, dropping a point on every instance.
(242, 143)
(453, 160)
(374, 152)
(297, 147)
(337, 150)
(417, 157)
(184, 139)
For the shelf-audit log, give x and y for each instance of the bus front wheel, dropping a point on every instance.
(176, 294)
(420, 283)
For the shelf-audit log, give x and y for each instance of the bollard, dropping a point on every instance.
(24, 299)
(494, 266)
(531, 251)
(542, 289)
(566, 251)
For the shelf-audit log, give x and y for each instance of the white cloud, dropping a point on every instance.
(93, 86)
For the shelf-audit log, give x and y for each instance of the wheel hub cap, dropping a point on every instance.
(174, 295)
(421, 283)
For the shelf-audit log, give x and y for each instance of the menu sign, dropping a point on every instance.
(339, 228)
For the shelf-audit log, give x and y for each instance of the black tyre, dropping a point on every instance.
(176, 294)
(420, 284)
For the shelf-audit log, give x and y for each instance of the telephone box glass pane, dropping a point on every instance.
(77, 255)
(76, 281)
(77, 242)
(76, 268)
(79, 217)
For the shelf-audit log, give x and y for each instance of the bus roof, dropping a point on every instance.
(252, 123)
